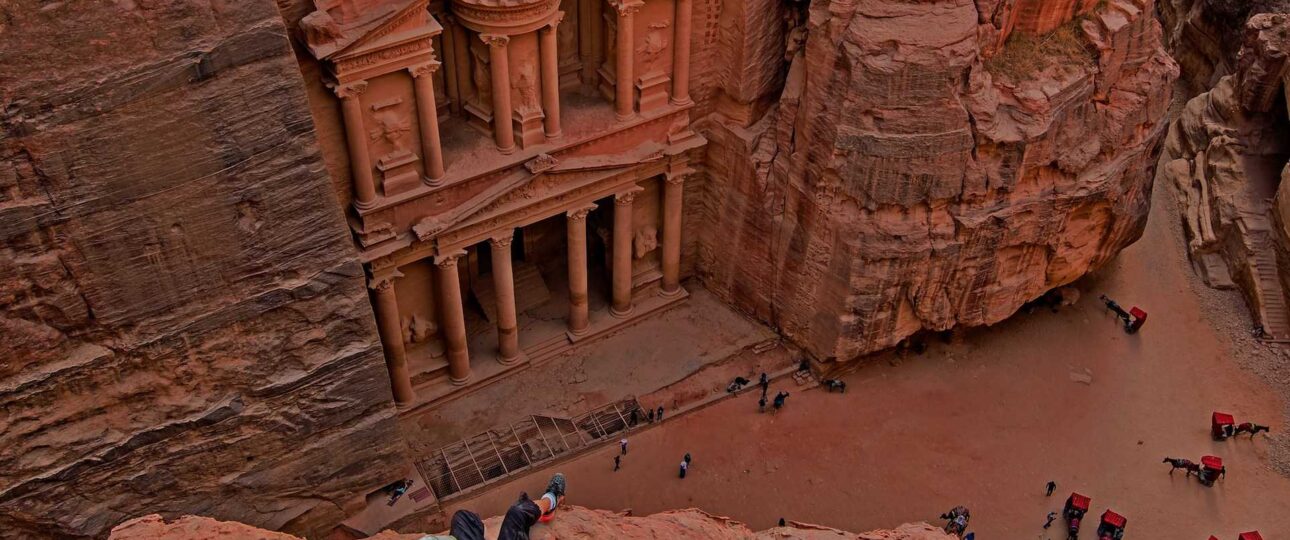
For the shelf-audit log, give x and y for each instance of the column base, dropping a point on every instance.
(678, 291)
(432, 182)
(624, 118)
(401, 407)
(578, 333)
(368, 205)
(459, 382)
(507, 149)
(555, 135)
(510, 361)
(681, 102)
(621, 314)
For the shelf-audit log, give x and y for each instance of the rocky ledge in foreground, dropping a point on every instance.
(572, 522)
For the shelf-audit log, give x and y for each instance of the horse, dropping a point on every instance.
(833, 384)
(1251, 428)
(1180, 463)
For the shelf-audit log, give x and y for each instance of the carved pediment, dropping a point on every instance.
(346, 29)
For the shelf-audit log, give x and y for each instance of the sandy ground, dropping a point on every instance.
(988, 421)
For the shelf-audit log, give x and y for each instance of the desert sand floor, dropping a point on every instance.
(988, 421)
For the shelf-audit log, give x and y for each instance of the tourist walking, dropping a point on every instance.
(684, 466)
(616, 462)
(779, 400)
(1051, 517)
(761, 404)
(687, 459)
(650, 416)
(765, 383)
(660, 413)
(622, 444)
(1050, 488)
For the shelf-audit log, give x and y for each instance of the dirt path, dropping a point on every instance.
(988, 422)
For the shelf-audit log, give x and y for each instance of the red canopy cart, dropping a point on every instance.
(1221, 425)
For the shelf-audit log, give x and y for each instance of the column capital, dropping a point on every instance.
(424, 69)
(676, 178)
(349, 90)
(449, 260)
(626, 7)
(495, 40)
(625, 198)
(383, 282)
(503, 240)
(579, 214)
(555, 21)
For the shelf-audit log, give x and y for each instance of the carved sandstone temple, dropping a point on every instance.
(516, 172)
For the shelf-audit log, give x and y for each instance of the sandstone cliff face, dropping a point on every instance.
(572, 522)
(1200, 36)
(913, 180)
(185, 328)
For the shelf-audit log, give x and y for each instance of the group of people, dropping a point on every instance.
(780, 397)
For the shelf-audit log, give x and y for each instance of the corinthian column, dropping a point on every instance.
(390, 328)
(672, 189)
(454, 317)
(681, 54)
(621, 274)
(428, 120)
(579, 318)
(625, 49)
(500, 70)
(360, 163)
(508, 339)
(550, 65)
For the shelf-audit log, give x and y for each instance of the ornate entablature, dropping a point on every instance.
(505, 17)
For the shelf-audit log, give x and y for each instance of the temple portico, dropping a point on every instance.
(517, 173)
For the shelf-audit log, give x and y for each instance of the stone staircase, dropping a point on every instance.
(1266, 280)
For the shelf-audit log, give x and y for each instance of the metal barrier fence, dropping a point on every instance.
(494, 455)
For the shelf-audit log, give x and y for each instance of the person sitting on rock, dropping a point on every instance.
(520, 517)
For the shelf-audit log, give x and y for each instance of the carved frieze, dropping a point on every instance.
(483, 16)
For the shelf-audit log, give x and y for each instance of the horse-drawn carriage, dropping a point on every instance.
(1112, 526)
(1076, 507)
(1211, 468)
(1222, 426)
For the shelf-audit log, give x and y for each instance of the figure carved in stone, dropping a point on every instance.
(526, 89)
(483, 80)
(644, 241)
(391, 126)
(655, 43)
(417, 329)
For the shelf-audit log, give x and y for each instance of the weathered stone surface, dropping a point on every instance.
(904, 183)
(572, 522)
(1225, 155)
(186, 328)
(1199, 35)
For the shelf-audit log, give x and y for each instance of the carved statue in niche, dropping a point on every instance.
(416, 329)
(483, 80)
(526, 90)
(391, 126)
(644, 241)
(652, 49)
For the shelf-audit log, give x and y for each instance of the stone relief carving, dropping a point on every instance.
(482, 78)
(391, 127)
(644, 241)
(526, 90)
(655, 43)
(417, 329)
(542, 162)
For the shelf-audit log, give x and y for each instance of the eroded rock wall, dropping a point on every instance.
(914, 180)
(571, 522)
(1201, 36)
(185, 326)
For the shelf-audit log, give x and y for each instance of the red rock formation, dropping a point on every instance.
(573, 522)
(185, 326)
(1199, 35)
(904, 183)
